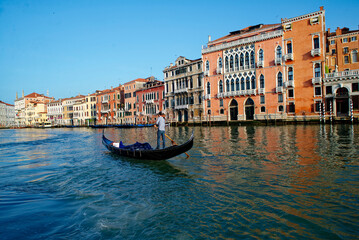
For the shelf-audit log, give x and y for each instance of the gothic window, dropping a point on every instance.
(253, 82)
(279, 79)
(248, 83)
(219, 62)
(232, 85)
(226, 63)
(227, 85)
(231, 63)
(237, 84)
(242, 84)
(220, 86)
(261, 81)
(236, 62)
(241, 60)
(252, 59)
(208, 88)
(247, 60)
(260, 55)
(279, 52)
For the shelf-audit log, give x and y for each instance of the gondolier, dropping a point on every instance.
(160, 125)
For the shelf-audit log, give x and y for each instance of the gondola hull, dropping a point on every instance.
(159, 154)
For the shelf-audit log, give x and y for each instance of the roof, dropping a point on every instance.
(7, 104)
(136, 80)
(35, 95)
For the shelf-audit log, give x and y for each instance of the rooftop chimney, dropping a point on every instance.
(209, 38)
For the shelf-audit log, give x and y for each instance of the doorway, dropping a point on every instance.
(249, 109)
(233, 109)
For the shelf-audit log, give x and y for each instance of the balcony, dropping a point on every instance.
(261, 91)
(289, 56)
(206, 96)
(206, 73)
(278, 61)
(290, 83)
(260, 63)
(338, 76)
(152, 101)
(219, 70)
(317, 80)
(179, 107)
(316, 52)
(105, 110)
(181, 90)
(279, 89)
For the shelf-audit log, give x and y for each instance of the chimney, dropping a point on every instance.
(209, 38)
(17, 96)
(321, 8)
(328, 30)
(338, 31)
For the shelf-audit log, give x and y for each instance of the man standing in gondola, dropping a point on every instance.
(160, 125)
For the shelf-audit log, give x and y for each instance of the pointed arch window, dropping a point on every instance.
(247, 60)
(208, 88)
(232, 85)
(279, 79)
(219, 62)
(279, 52)
(261, 81)
(231, 63)
(237, 84)
(242, 83)
(207, 65)
(220, 86)
(226, 64)
(241, 61)
(227, 85)
(252, 59)
(248, 83)
(236, 62)
(253, 82)
(260, 55)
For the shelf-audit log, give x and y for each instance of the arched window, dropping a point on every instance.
(226, 64)
(261, 81)
(219, 62)
(227, 85)
(290, 73)
(248, 83)
(237, 84)
(208, 88)
(279, 79)
(241, 61)
(207, 65)
(253, 82)
(231, 63)
(220, 86)
(232, 85)
(279, 53)
(247, 60)
(354, 56)
(317, 70)
(260, 55)
(252, 59)
(236, 62)
(242, 84)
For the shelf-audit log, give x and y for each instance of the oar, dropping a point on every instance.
(174, 143)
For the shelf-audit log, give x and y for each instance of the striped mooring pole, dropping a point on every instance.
(351, 111)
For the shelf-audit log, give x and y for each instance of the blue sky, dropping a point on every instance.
(77, 47)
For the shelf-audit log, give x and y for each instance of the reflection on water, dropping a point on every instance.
(260, 182)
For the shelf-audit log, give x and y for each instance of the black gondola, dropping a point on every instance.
(149, 154)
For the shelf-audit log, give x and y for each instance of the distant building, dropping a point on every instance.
(54, 113)
(90, 111)
(109, 105)
(184, 90)
(341, 90)
(130, 99)
(150, 101)
(68, 109)
(7, 114)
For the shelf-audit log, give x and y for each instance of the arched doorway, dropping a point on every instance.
(185, 115)
(233, 110)
(342, 102)
(249, 109)
(179, 116)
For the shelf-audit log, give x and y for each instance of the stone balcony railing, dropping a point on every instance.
(288, 56)
(179, 107)
(337, 76)
(316, 52)
(279, 89)
(317, 80)
(181, 90)
(289, 83)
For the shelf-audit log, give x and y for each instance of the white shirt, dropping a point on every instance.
(161, 123)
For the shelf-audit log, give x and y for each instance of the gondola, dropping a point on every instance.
(145, 151)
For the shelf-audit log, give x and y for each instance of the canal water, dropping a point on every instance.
(243, 182)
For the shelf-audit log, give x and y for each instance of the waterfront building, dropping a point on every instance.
(340, 84)
(79, 114)
(150, 101)
(36, 114)
(265, 72)
(54, 112)
(68, 109)
(90, 109)
(184, 90)
(21, 103)
(109, 104)
(130, 99)
(7, 114)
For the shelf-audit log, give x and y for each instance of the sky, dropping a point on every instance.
(71, 47)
